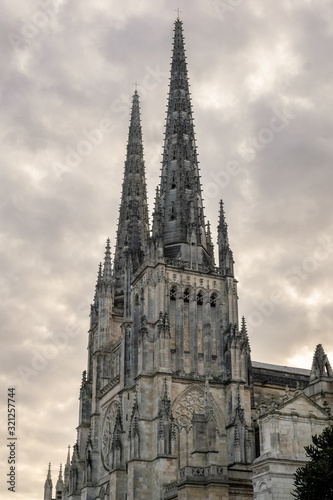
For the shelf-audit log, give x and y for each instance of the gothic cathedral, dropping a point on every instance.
(171, 405)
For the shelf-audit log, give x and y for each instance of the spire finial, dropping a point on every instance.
(136, 85)
(178, 13)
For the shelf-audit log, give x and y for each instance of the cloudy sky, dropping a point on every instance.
(261, 78)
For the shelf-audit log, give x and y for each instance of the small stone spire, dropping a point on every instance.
(107, 268)
(244, 334)
(157, 219)
(226, 260)
(133, 222)
(95, 305)
(60, 487)
(98, 283)
(180, 190)
(68, 461)
(321, 366)
(210, 245)
(48, 485)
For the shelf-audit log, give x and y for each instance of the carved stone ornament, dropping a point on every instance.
(107, 436)
(192, 402)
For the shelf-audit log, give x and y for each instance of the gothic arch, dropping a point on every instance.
(174, 290)
(191, 401)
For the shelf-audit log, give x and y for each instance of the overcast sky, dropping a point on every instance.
(261, 81)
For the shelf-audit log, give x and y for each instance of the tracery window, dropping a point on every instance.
(213, 299)
(199, 298)
(173, 293)
(186, 295)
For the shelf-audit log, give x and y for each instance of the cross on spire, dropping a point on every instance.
(178, 12)
(136, 85)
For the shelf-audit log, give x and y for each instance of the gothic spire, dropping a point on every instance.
(157, 221)
(244, 334)
(107, 269)
(133, 223)
(48, 485)
(226, 260)
(95, 304)
(180, 192)
(60, 482)
(68, 461)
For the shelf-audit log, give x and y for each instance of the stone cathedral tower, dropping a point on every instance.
(167, 404)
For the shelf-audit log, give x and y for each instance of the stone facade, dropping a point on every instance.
(171, 406)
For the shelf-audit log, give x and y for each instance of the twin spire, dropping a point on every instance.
(179, 228)
(133, 223)
(181, 206)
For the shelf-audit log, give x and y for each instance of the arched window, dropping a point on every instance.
(102, 494)
(212, 300)
(186, 295)
(199, 298)
(173, 293)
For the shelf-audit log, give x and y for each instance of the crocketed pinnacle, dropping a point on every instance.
(60, 483)
(48, 481)
(244, 334)
(68, 461)
(133, 223)
(321, 366)
(157, 218)
(95, 304)
(226, 261)
(180, 191)
(107, 268)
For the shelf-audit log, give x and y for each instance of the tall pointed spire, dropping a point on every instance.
(181, 201)
(226, 260)
(133, 223)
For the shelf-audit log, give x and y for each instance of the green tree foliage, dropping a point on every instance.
(314, 481)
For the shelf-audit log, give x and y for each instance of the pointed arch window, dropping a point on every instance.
(212, 300)
(186, 295)
(199, 298)
(173, 293)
